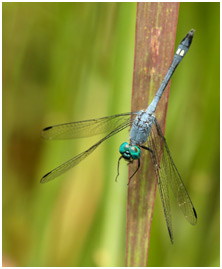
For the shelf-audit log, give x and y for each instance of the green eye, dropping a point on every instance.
(129, 152)
(135, 152)
(124, 147)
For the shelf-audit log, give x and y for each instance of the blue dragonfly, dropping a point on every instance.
(145, 134)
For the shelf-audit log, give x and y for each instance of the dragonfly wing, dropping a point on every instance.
(170, 175)
(162, 183)
(86, 128)
(77, 159)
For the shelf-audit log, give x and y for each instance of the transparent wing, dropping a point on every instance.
(77, 159)
(168, 174)
(155, 146)
(86, 128)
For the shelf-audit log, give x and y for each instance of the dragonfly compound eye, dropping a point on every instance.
(124, 147)
(135, 152)
(124, 150)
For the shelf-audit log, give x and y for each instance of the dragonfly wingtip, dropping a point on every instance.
(43, 179)
(195, 213)
(45, 133)
(47, 128)
(171, 235)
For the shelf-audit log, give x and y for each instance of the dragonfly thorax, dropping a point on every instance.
(129, 152)
(141, 128)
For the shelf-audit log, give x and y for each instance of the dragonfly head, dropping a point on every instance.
(129, 152)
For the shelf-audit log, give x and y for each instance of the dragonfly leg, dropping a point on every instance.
(118, 167)
(129, 162)
(134, 171)
(153, 156)
(146, 148)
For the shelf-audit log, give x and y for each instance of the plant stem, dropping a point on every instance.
(154, 48)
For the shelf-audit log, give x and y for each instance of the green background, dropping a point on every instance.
(64, 62)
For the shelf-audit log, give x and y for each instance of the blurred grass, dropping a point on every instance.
(72, 61)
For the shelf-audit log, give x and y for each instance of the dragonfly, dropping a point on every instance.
(145, 134)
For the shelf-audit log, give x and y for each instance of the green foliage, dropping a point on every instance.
(73, 61)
